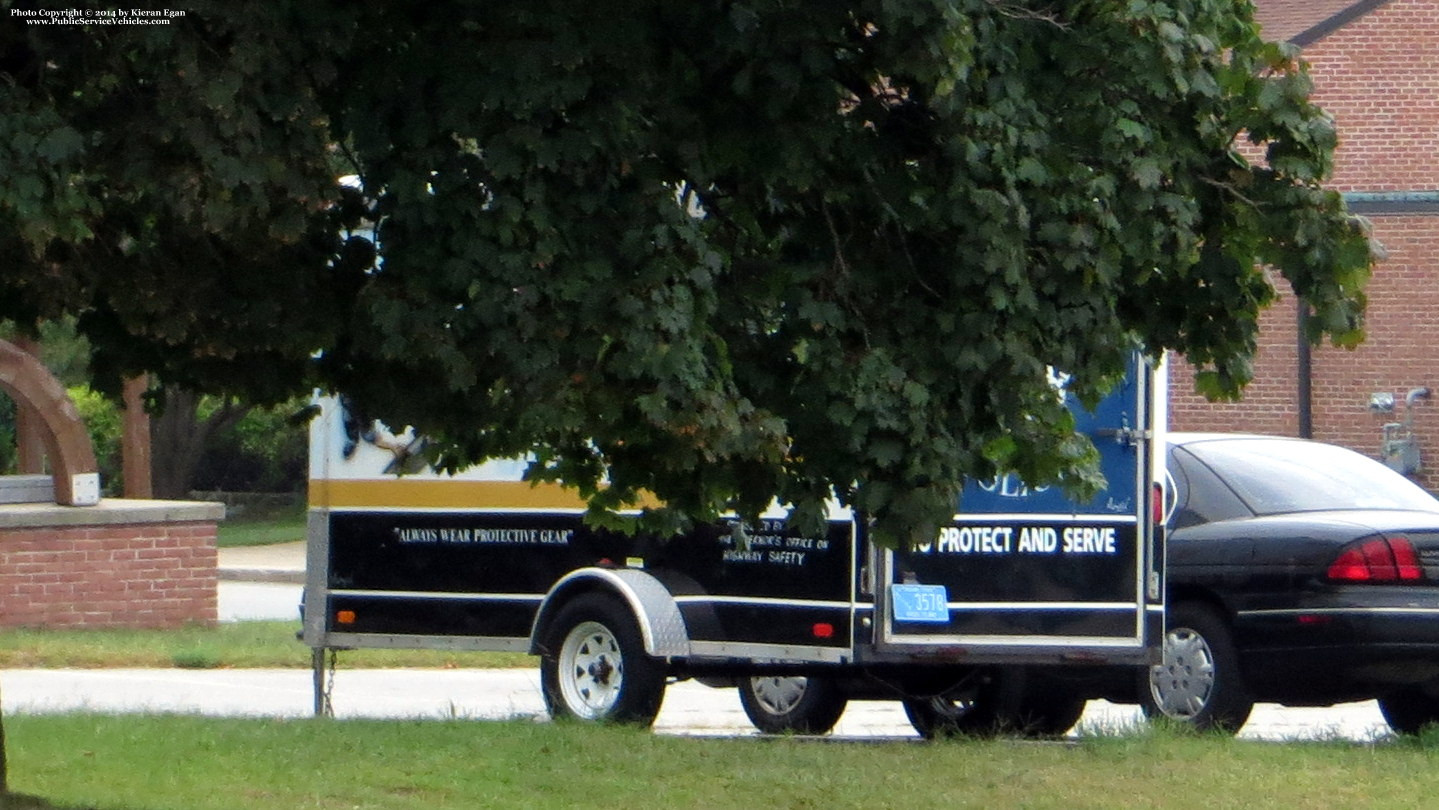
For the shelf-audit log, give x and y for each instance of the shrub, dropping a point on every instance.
(263, 452)
(103, 422)
(7, 436)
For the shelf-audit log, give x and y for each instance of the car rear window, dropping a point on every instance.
(1275, 476)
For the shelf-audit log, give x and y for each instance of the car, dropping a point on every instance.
(1299, 573)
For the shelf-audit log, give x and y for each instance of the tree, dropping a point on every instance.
(180, 434)
(716, 251)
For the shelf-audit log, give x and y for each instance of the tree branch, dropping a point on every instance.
(1014, 9)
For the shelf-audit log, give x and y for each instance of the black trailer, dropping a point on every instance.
(1023, 608)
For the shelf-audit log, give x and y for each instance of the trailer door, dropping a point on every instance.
(1033, 576)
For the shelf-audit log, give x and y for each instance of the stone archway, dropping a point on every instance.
(72, 457)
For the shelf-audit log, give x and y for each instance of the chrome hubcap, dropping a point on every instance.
(1183, 684)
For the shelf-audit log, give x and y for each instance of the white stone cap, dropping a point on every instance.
(109, 512)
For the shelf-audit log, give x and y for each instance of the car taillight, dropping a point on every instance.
(1156, 503)
(1377, 560)
(1406, 559)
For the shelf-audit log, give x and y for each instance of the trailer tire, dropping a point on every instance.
(974, 708)
(939, 717)
(792, 704)
(1006, 702)
(1049, 715)
(593, 664)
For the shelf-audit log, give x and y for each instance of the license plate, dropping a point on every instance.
(920, 603)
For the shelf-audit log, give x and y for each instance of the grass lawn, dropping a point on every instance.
(237, 644)
(260, 527)
(158, 762)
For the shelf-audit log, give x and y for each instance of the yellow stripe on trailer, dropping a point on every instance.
(429, 493)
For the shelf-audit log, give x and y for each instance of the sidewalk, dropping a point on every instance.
(280, 562)
(480, 694)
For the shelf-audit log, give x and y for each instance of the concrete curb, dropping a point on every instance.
(261, 575)
(279, 562)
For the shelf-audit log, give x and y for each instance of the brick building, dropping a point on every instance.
(1375, 65)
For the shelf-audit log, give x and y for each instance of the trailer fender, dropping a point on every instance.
(654, 608)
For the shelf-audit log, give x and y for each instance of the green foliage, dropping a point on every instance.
(712, 252)
(63, 350)
(164, 188)
(8, 452)
(103, 422)
(265, 451)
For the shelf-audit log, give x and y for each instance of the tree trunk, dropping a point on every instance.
(135, 440)
(178, 438)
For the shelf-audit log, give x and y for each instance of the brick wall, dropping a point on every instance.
(1379, 78)
(129, 569)
(1269, 404)
(1400, 352)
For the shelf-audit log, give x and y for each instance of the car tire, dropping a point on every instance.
(792, 704)
(1198, 683)
(1408, 711)
(594, 666)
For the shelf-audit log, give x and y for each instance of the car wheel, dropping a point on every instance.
(1198, 683)
(594, 666)
(1409, 711)
(793, 705)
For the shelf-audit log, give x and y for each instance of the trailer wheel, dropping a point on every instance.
(975, 707)
(594, 665)
(1005, 702)
(792, 705)
(1048, 715)
(940, 716)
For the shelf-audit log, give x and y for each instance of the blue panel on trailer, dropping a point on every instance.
(1109, 425)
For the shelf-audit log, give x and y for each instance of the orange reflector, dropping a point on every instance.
(824, 630)
(344, 617)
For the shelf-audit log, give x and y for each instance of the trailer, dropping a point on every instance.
(1027, 605)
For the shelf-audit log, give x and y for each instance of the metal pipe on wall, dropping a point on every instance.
(1305, 373)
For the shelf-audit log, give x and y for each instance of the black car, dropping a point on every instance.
(1299, 573)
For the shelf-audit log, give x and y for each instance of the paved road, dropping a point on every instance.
(689, 708)
(251, 601)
